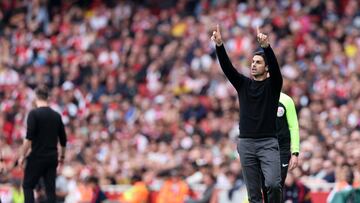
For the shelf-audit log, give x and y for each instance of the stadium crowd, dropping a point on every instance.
(143, 97)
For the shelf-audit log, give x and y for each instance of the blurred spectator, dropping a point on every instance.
(17, 192)
(235, 193)
(347, 196)
(173, 189)
(209, 181)
(344, 182)
(295, 191)
(81, 192)
(65, 183)
(98, 195)
(138, 193)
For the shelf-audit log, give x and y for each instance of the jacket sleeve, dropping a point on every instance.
(293, 124)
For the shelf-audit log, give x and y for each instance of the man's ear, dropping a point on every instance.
(266, 68)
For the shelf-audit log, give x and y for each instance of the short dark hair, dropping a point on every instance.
(92, 179)
(42, 92)
(136, 178)
(260, 52)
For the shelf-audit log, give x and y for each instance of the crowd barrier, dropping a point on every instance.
(319, 192)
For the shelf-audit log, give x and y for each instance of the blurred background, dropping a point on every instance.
(150, 117)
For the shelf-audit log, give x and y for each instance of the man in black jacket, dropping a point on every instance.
(44, 129)
(259, 96)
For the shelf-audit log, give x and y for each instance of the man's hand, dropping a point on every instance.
(62, 155)
(61, 160)
(293, 163)
(216, 36)
(21, 161)
(262, 38)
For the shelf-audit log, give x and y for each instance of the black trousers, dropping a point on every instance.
(258, 155)
(284, 159)
(36, 168)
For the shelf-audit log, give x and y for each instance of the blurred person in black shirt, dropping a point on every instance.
(44, 129)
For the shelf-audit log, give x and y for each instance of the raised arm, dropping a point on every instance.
(274, 69)
(273, 66)
(235, 78)
(229, 70)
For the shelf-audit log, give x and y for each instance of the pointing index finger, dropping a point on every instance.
(257, 30)
(217, 28)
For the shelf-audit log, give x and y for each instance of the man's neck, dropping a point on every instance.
(260, 77)
(41, 103)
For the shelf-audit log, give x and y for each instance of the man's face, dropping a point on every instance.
(258, 66)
